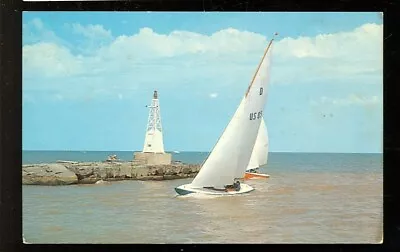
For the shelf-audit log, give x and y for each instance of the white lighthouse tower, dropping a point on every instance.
(153, 150)
(153, 142)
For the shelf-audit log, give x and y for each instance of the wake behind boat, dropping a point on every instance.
(227, 190)
(230, 156)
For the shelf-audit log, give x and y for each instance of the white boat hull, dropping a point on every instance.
(188, 189)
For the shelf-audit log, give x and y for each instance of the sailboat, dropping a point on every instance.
(231, 154)
(259, 156)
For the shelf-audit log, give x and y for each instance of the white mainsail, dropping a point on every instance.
(259, 157)
(231, 154)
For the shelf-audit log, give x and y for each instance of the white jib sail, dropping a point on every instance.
(259, 157)
(232, 152)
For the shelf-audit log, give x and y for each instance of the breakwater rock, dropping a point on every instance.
(47, 174)
(68, 172)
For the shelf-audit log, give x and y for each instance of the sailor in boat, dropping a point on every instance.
(235, 186)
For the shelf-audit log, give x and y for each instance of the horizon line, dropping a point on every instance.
(173, 151)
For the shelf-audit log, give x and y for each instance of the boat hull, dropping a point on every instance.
(252, 175)
(187, 189)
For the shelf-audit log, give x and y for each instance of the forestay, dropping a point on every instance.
(231, 154)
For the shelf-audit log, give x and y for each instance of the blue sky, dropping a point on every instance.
(87, 77)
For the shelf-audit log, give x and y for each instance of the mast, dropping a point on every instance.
(259, 64)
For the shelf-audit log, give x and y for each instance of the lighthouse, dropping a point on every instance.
(153, 142)
(153, 149)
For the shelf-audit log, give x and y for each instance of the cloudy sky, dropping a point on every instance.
(88, 76)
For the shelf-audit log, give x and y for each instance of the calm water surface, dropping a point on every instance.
(309, 198)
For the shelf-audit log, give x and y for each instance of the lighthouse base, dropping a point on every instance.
(150, 158)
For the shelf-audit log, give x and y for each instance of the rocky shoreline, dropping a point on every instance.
(70, 172)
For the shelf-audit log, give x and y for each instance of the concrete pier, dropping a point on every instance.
(70, 172)
(149, 158)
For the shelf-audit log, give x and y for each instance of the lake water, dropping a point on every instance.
(309, 198)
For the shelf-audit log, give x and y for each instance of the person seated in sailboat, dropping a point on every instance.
(236, 185)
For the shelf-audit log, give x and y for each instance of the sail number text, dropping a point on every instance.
(255, 115)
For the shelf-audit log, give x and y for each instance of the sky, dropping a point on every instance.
(87, 77)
